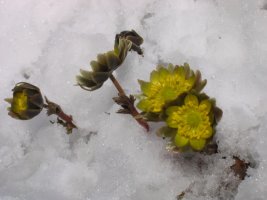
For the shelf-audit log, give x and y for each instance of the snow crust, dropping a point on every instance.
(110, 156)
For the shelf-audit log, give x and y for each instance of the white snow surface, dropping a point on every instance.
(110, 156)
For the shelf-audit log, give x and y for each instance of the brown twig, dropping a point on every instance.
(127, 104)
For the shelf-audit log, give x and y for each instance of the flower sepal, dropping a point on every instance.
(199, 84)
(216, 113)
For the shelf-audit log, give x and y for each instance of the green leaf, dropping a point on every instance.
(112, 60)
(85, 82)
(86, 74)
(100, 77)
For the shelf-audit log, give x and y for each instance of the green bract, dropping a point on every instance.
(106, 63)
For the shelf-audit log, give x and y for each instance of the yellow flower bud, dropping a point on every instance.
(27, 101)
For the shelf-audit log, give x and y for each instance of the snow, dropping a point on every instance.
(110, 156)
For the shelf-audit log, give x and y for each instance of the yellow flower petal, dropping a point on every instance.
(205, 105)
(207, 133)
(192, 80)
(172, 121)
(172, 109)
(180, 141)
(179, 71)
(163, 73)
(20, 102)
(156, 106)
(197, 144)
(143, 104)
(191, 100)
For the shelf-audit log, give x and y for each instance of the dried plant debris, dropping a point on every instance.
(228, 180)
(240, 168)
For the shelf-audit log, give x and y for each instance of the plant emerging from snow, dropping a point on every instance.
(172, 95)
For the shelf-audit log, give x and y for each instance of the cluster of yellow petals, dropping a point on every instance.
(20, 102)
(165, 85)
(192, 122)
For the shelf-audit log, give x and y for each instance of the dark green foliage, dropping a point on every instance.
(107, 62)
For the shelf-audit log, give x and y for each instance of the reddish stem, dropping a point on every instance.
(141, 121)
(132, 108)
(67, 118)
(55, 109)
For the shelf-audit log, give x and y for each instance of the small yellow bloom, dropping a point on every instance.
(192, 122)
(165, 86)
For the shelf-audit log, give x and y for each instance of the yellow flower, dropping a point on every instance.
(192, 122)
(165, 86)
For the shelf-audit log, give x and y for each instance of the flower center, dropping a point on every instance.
(193, 119)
